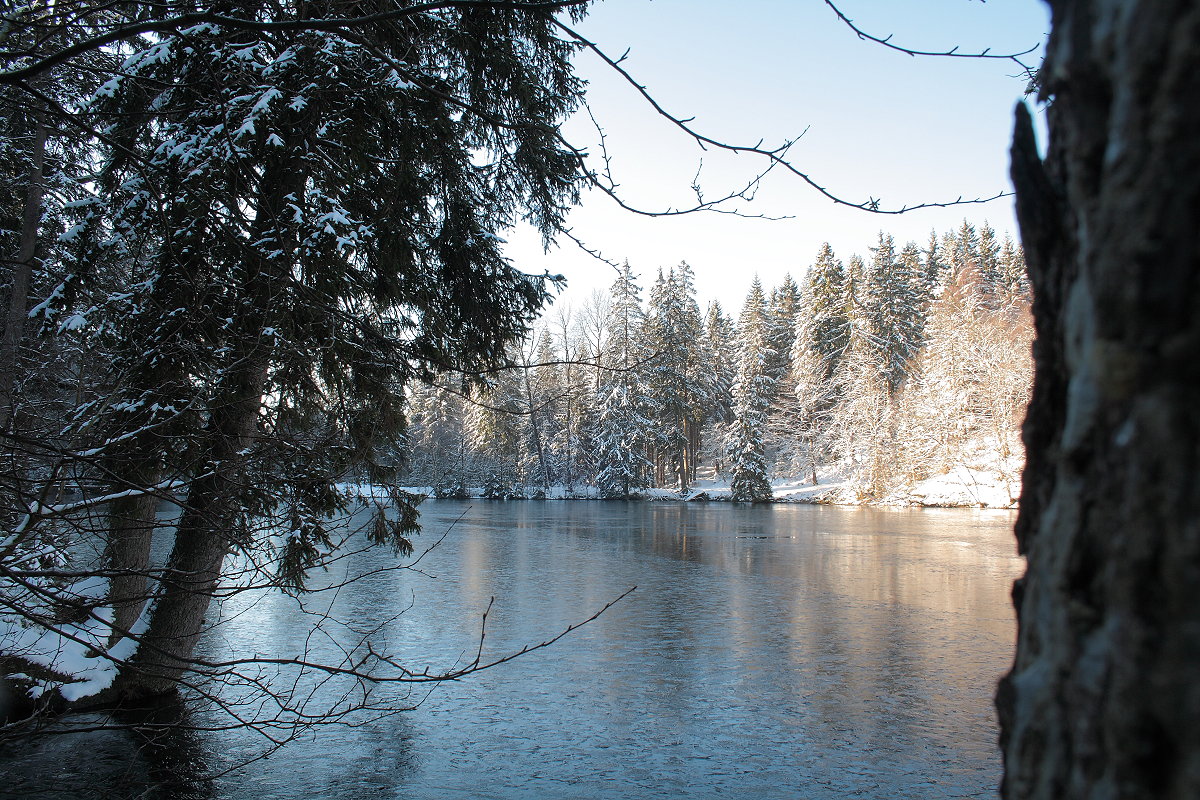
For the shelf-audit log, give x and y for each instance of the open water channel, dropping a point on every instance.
(769, 652)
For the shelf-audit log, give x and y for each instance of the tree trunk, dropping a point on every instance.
(1103, 699)
(22, 272)
(205, 534)
(127, 554)
(203, 539)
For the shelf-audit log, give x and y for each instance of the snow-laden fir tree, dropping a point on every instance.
(302, 221)
(494, 433)
(752, 392)
(892, 313)
(828, 304)
(672, 335)
(625, 430)
(624, 433)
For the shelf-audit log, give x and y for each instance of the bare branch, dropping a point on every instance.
(886, 41)
(777, 156)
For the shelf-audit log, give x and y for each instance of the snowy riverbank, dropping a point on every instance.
(962, 487)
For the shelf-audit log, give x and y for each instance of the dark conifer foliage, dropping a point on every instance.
(274, 224)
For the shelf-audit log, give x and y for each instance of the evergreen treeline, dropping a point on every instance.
(880, 371)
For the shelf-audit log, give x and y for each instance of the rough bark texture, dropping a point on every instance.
(127, 556)
(203, 539)
(22, 274)
(205, 534)
(1104, 697)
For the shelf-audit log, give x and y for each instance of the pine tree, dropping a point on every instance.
(893, 312)
(672, 333)
(302, 221)
(625, 428)
(751, 394)
(829, 295)
(624, 432)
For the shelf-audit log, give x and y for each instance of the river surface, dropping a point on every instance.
(768, 652)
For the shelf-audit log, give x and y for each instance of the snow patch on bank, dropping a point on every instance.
(75, 653)
(962, 487)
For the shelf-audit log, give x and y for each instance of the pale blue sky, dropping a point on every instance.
(879, 124)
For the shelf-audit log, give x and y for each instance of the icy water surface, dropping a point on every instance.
(775, 652)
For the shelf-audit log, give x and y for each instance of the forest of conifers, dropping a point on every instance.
(883, 370)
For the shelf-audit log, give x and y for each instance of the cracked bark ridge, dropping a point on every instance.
(1103, 700)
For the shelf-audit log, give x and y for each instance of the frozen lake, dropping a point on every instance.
(767, 652)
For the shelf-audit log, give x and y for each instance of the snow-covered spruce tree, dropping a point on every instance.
(1014, 279)
(933, 266)
(625, 431)
(808, 410)
(672, 335)
(541, 381)
(991, 278)
(305, 219)
(494, 436)
(574, 395)
(623, 435)
(813, 384)
(435, 440)
(964, 264)
(783, 310)
(718, 351)
(751, 402)
(829, 300)
(47, 372)
(624, 350)
(892, 312)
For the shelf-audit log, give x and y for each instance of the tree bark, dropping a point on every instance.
(203, 539)
(127, 554)
(205, 535)
(1103, 699)
(22, 272)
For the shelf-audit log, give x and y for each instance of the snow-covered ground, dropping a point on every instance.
(976, 486)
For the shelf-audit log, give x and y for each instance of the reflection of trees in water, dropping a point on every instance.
(173, 753)
(176, 759)
(131, 754)
(385, 760)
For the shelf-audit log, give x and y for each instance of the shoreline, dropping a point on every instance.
(950, 491)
